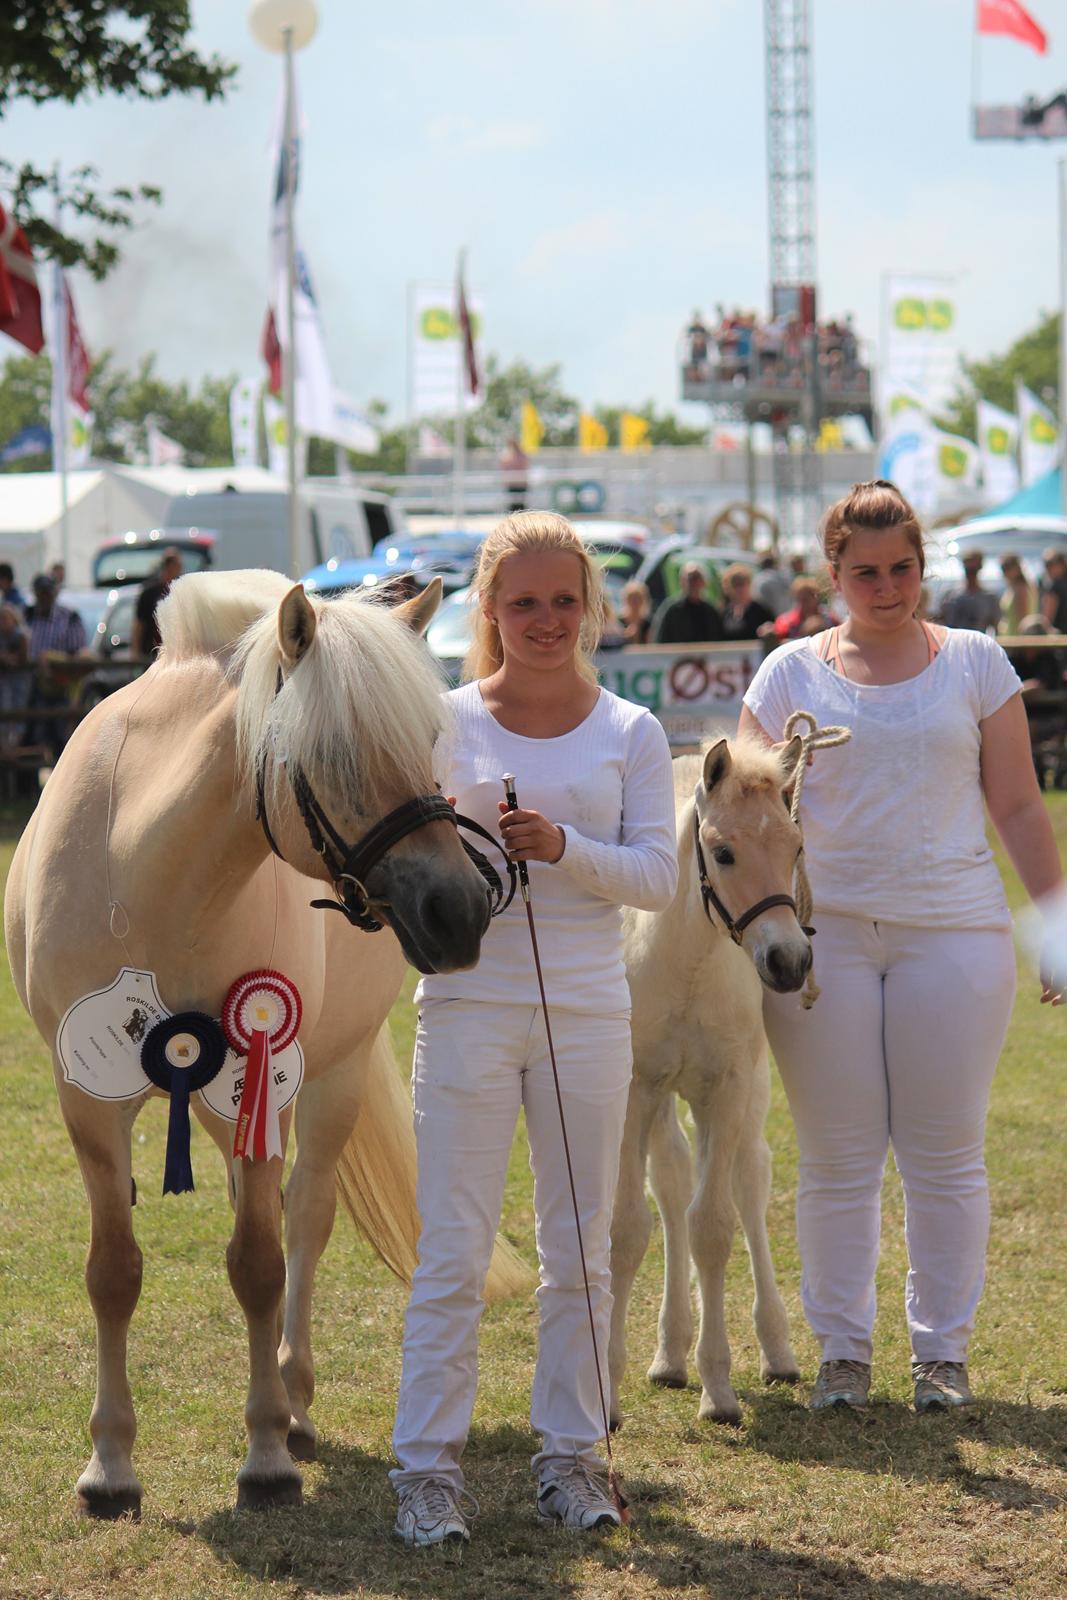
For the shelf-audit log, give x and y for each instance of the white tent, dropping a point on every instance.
(100, 504)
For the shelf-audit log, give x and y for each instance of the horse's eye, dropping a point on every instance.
(723, 855)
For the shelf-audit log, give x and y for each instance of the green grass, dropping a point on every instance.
(887, 1506)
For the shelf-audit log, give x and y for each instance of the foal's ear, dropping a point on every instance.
(418, 611)
(296, 624)
(789, 758)
(717, 764)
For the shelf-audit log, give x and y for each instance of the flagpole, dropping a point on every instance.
(459, 444)
(59, 386)
(289, 349)
(1061, 166)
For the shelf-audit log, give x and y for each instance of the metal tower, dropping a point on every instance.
(791, 215)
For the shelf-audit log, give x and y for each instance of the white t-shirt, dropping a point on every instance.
(608, 784)
(894, 824)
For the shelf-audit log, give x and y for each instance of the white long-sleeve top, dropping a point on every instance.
(608, 784)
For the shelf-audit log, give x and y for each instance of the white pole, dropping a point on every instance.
(289, 349)
(459, 443)
(1062, 408)
(59, 389)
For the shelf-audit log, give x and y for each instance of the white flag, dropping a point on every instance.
(79, 434)
(162, 451)
(998, 435)
(957, 463)
(1039, 444)
(438, 350)
(244, 422)
(352, 427)
(277, 456)
(919, 316)
(908, 457)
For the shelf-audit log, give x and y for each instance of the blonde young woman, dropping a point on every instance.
(596, 825)
(914, 950)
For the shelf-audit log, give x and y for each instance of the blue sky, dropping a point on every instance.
(602, 161)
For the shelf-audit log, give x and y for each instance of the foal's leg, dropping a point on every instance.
(100, 1132)
(257, 1272)
(631, 1228)
(719, 1115)
(670, 1173)
(752, 1189)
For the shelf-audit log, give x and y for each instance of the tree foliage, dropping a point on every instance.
(1033, 359)
(69, 50)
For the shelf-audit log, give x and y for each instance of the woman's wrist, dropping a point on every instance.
(562, 843)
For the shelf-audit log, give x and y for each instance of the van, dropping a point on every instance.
(337, 521)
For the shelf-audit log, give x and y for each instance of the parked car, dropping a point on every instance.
(110, 644)
(134, 557)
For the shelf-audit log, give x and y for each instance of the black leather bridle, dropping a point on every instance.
(735, 927)
(349, 865)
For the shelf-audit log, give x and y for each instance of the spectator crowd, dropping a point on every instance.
(739, 348)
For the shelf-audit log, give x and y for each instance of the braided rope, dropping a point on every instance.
(816, 738)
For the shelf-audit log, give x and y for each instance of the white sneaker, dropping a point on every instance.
(575, 1496)
(433, 1511)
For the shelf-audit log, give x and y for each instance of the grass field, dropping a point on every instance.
(887, 1506)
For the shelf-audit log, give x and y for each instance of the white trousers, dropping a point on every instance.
(476, 1063)
(900, 1047)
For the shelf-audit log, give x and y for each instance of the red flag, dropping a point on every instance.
(77, 355)
(466, 330)
(1008, 16)
(271, 351)
(20, 298)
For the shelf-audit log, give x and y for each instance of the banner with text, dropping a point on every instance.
(437, 350)
(919, 318)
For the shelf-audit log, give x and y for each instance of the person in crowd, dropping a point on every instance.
(58, 574)
(771, 586)
(1054, 590)
(635, 612)
(515, 468)
(972, 606)
(742, 614)
(1018, 600)
(596, 826)
(53, 629)
(690, 618)
(697, 337)
(10, 594)
(914, 953)
(146, 638)
(14, 673)
(807, 614)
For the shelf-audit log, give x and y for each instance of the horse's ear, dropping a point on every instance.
(717, 764)
(296, 624)
(418, 611)
(789, 758)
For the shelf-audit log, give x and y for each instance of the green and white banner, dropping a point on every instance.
(919, 333)
(998, 439)
(437, 349)
(1039, 439)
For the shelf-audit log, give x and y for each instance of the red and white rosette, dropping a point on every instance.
(260, 1014)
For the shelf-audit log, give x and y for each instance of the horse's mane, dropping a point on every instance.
(755, 766)
(362, 708)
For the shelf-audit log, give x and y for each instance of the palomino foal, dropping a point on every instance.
(698, 1032)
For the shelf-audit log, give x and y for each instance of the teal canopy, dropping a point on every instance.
(1042, 499)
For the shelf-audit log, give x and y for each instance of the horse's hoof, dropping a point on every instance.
(259, 1494)
(614, 1424)
(109, 1507)
(302, 1446)
(723, 1416)
(667, 1379)
(791, 1377)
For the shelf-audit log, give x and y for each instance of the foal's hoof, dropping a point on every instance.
(790, 1377)
(264, 1494)
(727, 1416)
(302, 1446)
(109, 1507)
(665, 1377)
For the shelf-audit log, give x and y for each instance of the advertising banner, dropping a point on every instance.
(694, 692)
(920, 351)
(1039, 440)
(438, 349)
(998, 436)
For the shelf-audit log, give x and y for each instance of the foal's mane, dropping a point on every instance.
(362, 708)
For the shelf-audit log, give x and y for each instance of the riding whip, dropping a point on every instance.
(621, 1504)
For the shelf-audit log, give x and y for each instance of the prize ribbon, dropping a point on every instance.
(180, 1054)
(260, 1014)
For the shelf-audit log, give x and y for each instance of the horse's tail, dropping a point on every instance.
(376, 1178)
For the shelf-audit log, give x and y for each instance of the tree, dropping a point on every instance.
(663, 429)
(498, 417)
(1033, 359)
(75, 49)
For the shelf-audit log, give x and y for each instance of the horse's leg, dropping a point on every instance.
(100, 1132)
(325, 1115)
(718, 1114)
(670, 1172)
(631, 1228)
(752, 1190)
(257, 1272)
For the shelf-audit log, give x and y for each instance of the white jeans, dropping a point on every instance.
(901, 1046)
(476, 1063)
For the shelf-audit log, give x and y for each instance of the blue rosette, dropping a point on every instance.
(179, 1055)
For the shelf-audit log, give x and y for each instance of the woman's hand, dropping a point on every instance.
(528, 836)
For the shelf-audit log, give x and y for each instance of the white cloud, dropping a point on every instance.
(458, 134)
(600, 233)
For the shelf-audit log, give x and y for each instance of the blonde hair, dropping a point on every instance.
(524, 533)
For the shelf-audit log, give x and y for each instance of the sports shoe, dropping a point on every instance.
(433, 1511)
(575, 1496)
(940, 1385)
(841, 1383)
